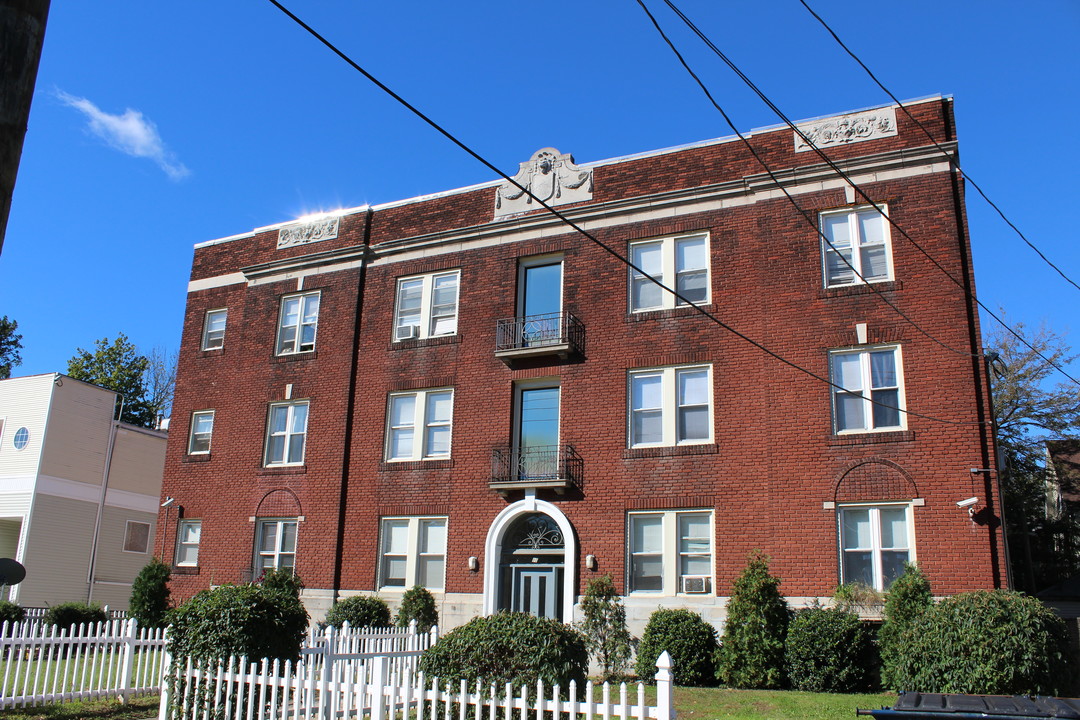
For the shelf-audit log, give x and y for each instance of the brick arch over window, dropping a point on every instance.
(279, 503)
(874, 480)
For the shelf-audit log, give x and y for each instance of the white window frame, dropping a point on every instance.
(288, 433)
(669, 274)
(194, 435)
(868, 425)
(875, 528)
(669, 408)
(425, 329)
(421, 428)
(128, 537)
(671, 553)
(857, 242)
(277, 552)
(296, 345)
(190, 544)
(413, 552)
(214, 339)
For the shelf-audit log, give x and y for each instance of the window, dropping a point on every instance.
(296, 327)
(188, 533)
(872, 397)
(137, 537)
(671, 552)
(202, 427)
(413, 552)
(681, 263)
(286, 434)
(875, 542)
(21, 439)
(419, 425)
(670, 406)
(276, 545)
(214, 329)
(426, 306)
(860, 236)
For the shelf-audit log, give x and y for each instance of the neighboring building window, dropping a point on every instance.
(298, 322)
(427, 306)
(413, 552)
(671, 552)
(286, 433)
(276, 545)
(214, 329)
(872, 397)
(419, 425)
(21, 439)
(188, 533)
(670, 406)
(202, 427)
(137, 537)
(680, 263)
(861, 237)
(875, 542)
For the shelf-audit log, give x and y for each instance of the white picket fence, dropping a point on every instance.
(44, 664)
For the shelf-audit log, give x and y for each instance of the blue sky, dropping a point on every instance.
(158, 125)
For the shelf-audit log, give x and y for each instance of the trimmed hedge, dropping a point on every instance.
(71, 614)
(359, 611)
(828, 650)
(11, 613)
(149, 603)
(417, 604)
(751, 652)
(689, 640)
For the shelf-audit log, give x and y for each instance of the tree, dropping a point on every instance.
(160, 380)
(752, 650)
(150, 594)
(604, 626)
(10, 345)
(118, 366)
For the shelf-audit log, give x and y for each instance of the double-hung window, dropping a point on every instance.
(298, 322)
(671, 552)
(202, 428)
(680, 263)
(188, 535)
(413, 552)
(275, 547)
(670, 406)
(875, 542)
(855, 247)
(286, 434)
(419, 425)
(426, 306)
(214, 329)
(870, 396)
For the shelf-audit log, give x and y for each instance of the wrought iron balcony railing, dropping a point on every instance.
(550, 334)
(549, 466)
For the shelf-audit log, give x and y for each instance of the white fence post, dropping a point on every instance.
(163, 706)
(664, 708)
(378, 680)
(128, 660)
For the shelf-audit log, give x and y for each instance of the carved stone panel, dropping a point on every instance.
(549, 176)
(845, 129)
(322, 229)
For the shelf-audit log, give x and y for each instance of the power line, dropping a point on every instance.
(611, 251)
(952, 160)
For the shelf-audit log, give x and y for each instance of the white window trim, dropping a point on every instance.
(220, 342)
(191, 434)
(127, 535)
(875, 529)
(277, 552)
(669, 410)
(180, 543)
(868, 405)
(287, 434)
(670, 552)
(300, 324)
(420, 429)
(669, 276)
(426, 299)
(856, 257)
(412, 552)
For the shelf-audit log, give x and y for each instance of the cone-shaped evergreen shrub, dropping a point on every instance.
(604, 626)
(417, 604)
(751, 651)
(149, 602)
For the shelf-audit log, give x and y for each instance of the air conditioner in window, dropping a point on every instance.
(408, 332)
(696, 583)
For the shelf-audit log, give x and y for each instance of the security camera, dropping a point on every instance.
(967, 503)
(168, 501)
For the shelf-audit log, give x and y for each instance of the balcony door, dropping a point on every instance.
(536, 441)
(540, 301)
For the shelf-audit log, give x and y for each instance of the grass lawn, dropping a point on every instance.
(137, 709)
(65, 674)
(710, 703)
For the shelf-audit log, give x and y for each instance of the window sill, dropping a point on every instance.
(426, 342)
(291, 357)
(861, 288)
(670, 451)
(282, 470)
(211, 352)
(185, 569)
(416, 465)
(870, 438)
(664, 314)
(200, 458)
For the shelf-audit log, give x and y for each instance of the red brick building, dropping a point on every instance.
(461, 391)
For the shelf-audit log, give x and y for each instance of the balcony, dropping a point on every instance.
(559, 334)
(557, 467)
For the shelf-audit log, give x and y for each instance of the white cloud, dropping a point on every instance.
(131, 133)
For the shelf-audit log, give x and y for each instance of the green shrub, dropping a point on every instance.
(11, 613)
(604, 626)
(689, 640)
(827, 651)
(238, 620)
(857, 597)
(751, 652)
(908, 598)
(985, 642)
(417, 604)
(509, 647)
(284, 580)
(149, 603)
(359, 611)
(72, 614)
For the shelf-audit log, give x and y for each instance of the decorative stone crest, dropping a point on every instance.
(845, 129)
(550, 176)
(322, 229)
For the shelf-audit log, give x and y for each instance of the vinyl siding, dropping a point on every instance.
(138, 461)
(57, 553)
(113, 564)
(24, 402)
(78, 432)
